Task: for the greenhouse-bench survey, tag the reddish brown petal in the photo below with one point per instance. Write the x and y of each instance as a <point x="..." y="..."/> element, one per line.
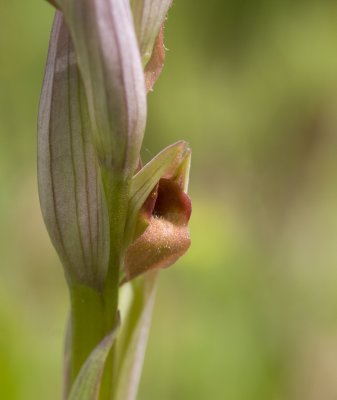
<point x="145" y="213"/>
<point x="156" y="63"/>
<point x="160" y="246"/>
<point x="172" y="203"/>
<point x="166" y="200"/>
<point x="166" y="238"/>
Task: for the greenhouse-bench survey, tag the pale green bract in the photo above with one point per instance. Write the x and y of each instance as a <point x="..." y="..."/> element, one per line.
<point x="87" y="383"/>
<point x="134" y="335"/>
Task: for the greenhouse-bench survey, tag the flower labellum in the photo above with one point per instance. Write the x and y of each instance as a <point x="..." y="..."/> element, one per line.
<point x="165" y="216"/>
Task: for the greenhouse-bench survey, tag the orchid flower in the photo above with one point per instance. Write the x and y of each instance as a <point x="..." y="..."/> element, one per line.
<point x="111" y="222"/>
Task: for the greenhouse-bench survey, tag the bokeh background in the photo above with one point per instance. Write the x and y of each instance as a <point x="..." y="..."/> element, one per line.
<point x="250" y="313"/>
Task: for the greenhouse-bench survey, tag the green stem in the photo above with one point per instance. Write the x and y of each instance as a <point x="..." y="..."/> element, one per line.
<point x="116" y="195"/>
<point x="94" y="312"/>
<point x="110" y="316"/>
<point x="93" y="316"/>
<point x="87" y="328"/>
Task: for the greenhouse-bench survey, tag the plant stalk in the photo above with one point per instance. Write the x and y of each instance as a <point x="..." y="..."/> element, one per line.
<point x="116" y="191"/>
<point x="94" y="313"/>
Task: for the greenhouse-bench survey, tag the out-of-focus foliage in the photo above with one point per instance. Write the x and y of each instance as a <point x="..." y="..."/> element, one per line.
<point x="250" y="313"/>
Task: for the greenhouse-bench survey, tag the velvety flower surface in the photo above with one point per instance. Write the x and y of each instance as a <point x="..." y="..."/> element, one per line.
<point x="165" y="216"/>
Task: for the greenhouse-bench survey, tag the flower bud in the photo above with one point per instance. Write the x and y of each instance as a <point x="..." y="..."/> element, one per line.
<point x="109" y="61"/>
<point x="149" y="17"/>
<point x="70" y="189"/>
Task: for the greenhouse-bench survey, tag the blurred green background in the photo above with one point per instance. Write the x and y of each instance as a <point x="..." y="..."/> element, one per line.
<point x="250" y="313"/>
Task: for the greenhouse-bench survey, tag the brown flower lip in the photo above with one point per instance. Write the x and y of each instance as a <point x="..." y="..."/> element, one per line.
<point x="166" y="238"/>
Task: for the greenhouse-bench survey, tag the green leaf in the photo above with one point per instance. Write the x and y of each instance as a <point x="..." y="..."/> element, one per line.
<point x="87" y="383"/>
<point x="134" y="335"/>
<point x="165" y="164"/>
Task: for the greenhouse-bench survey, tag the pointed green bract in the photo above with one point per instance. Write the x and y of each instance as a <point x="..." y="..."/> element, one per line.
<point x="134" y="335"/>
<point x="87" y="383"/>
